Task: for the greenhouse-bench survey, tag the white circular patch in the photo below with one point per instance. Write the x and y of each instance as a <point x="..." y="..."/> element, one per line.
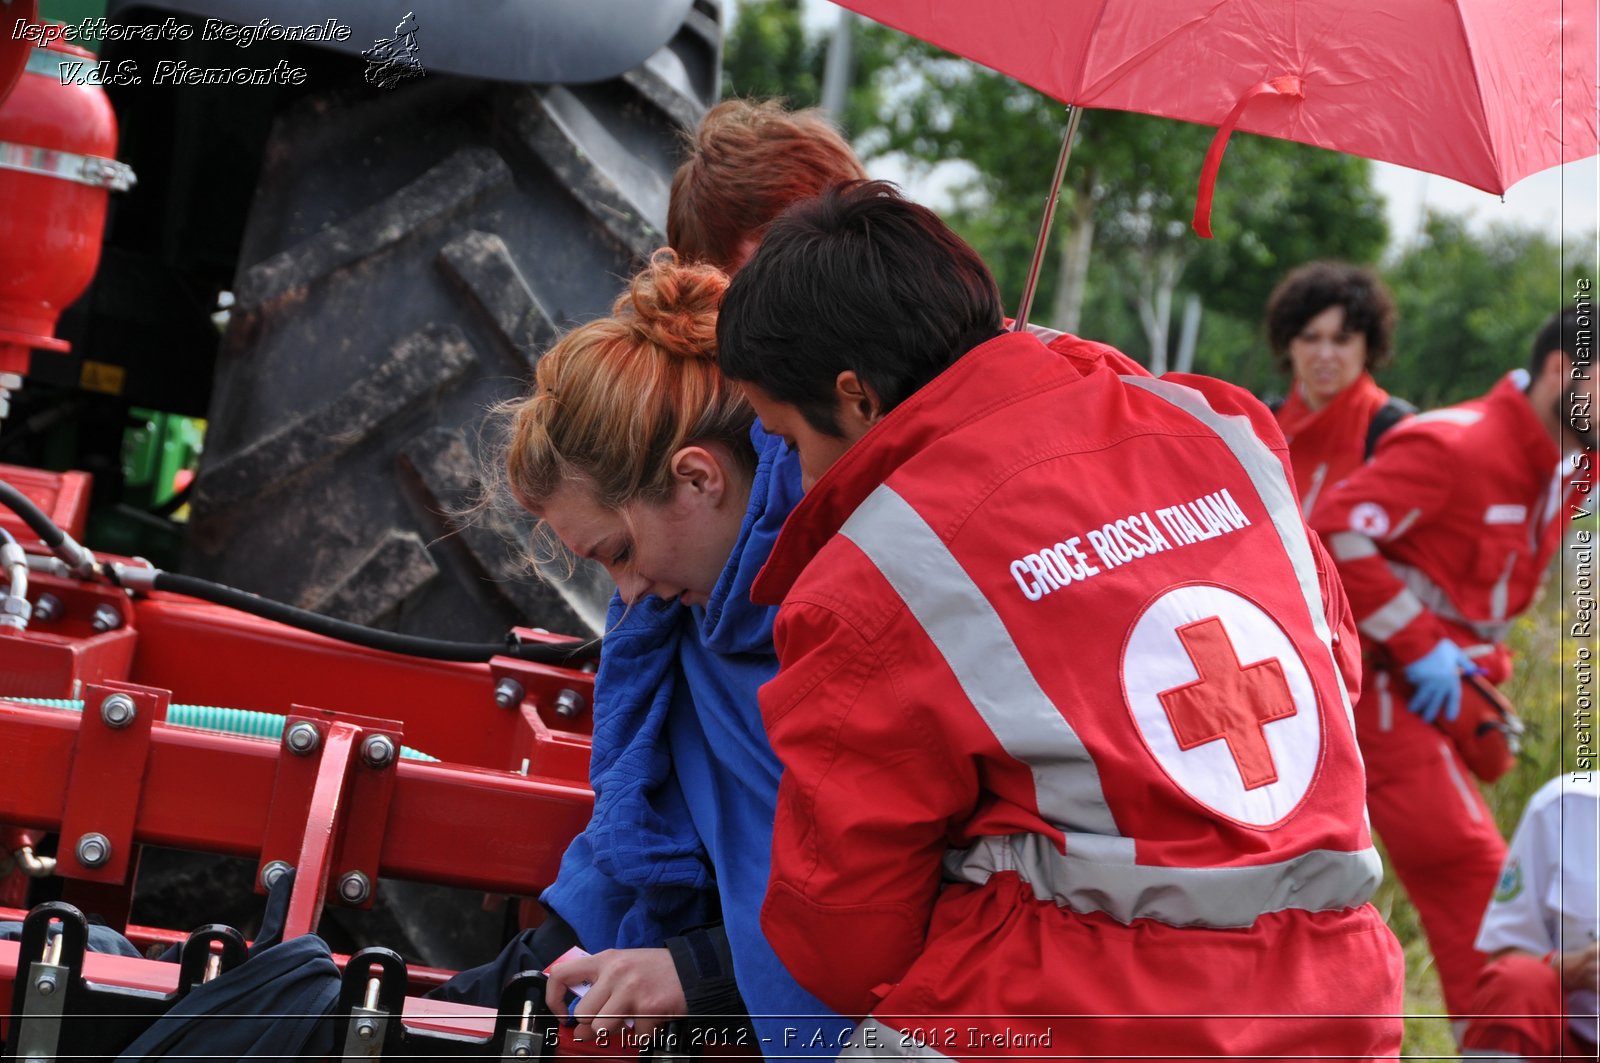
<point x="1229" y="775"/>
<point x="1369" y="519"/>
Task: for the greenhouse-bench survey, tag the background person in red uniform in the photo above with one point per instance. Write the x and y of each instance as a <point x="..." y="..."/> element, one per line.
<point x="1061" y="703"/>
<point x="1329" y="325"/>
<point x="1442" y="540"/>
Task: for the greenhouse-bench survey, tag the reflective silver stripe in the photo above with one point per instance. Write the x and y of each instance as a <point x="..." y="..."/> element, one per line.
<point x="1277" y="494"/>
<point x="1403" y="526"/>
<point x="1450" y="414"/>
<point x="1391" y="617"/>
<point x="1462" y="789"/>
<point x="1215" y="897"/>
<point x="1385" y="703"/>
<point x="964" y="627"/>
<point x="1436" y="601"/>
<point x="1351" y="546"/>
<point x="875" y="1040"/>
<point x="1310" y="500"/>
<point x="1501" y="590"/>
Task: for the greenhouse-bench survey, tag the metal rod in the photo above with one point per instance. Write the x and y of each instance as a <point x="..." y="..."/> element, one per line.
<point x="213" y="967"/>
<point x="371" y="1001"/>
<point x="1023" y="308"/>
<point x="52" y="945"/>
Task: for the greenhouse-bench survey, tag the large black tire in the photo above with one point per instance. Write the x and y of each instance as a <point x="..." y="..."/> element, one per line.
<point x="408" y="256"/>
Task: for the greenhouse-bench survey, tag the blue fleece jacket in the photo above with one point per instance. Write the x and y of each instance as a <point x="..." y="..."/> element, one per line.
<point x="686" y="782"/>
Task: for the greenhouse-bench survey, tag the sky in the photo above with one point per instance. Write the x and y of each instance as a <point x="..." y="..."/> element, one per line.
<point x="1565" y="199"/>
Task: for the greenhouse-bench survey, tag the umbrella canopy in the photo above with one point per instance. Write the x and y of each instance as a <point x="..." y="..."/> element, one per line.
<point x="1482" y="91"/>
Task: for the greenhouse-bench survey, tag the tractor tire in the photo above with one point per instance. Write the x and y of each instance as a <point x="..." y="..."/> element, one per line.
<point x="409" y="255"/>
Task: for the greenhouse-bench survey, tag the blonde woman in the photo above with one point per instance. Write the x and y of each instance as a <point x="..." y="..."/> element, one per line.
<point x="637" y="453"/>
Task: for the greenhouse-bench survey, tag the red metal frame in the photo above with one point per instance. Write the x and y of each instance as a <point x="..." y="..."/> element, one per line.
<point x="494" y="813"/>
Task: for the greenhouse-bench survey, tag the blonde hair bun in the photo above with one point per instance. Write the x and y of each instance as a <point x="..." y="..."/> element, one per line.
<point x="673" y="307"/>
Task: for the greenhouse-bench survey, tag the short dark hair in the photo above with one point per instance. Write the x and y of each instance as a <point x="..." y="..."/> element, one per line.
<point x="859" y="278"/>
<point x="1569" y="331"/>
<point x="1310" y="289"/>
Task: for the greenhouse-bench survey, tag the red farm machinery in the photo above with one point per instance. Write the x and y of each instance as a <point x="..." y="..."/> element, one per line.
<point x="340" y="273"/>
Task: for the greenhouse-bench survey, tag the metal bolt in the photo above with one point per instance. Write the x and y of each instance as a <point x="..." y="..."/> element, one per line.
<point x="508" y="693"/>
<point x="354" y="887"/>
<point x="378" y="751"/>
<point x="106" y="618"/>
<point x="569" y="704"/>
<point x="118" y="710"/>
<point x="48" y="607"/>
<point x="522" y="1051"/>
<point x="303" y="739"/>
<point x="93" y="849"/>
<point x="275" y="870"/>
<point x="45" y="985"/>
<point x="366" y="1029"/>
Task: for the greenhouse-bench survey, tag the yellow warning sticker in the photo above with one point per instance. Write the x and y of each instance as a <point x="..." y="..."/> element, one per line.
<point x="98" y="376"/>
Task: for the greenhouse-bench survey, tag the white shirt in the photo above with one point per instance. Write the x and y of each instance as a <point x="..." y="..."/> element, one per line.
<point x="1546" y="898"/>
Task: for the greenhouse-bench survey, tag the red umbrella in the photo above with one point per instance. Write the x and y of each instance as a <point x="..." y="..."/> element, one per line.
<point x="1482" y="91"/>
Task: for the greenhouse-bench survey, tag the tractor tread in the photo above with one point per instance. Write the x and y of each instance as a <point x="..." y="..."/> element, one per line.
<point x="447" y="188"/>
<point x="420" y="365"/>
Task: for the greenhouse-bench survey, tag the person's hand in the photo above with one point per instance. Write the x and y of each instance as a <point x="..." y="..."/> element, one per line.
<point x="637" y="984"/>
<point x="1580" y="968"/>
<point x="1436" y="681"/>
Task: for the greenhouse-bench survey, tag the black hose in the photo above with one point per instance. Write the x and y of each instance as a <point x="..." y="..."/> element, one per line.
<point x="32" y="515"/>
<point x="567" y="653"/>
<point x="375" y="638"/>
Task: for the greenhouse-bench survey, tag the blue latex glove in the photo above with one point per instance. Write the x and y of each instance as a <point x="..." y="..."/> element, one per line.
<point x="1436" y="681"/>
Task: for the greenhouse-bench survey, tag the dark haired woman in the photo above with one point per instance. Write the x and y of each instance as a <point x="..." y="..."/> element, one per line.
<point x="1329" y="324"/>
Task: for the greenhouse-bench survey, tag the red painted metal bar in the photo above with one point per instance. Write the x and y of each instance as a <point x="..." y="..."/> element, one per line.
<point x="448" y="824"/>
<point x="322" y="822"/>
<point x="144" y="937"/>
<point x="159" y="977"/>
<point x="106" y="780"/>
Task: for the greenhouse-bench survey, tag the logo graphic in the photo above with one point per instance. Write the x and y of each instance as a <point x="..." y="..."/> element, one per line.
<point x="1369" y="519"/>
<point x="1510" y="883"/>
<point x="1224" y="703"/>
<point x="393" y="60"/>
<point x="1230" y="702"/>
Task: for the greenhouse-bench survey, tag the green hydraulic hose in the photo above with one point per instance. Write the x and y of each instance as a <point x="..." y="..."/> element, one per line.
<point x="245" y="722"/>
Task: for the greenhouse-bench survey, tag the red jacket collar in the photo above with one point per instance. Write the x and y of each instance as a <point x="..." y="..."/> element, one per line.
<point x="990" y="375"/>
<point x="1530" y="434"/>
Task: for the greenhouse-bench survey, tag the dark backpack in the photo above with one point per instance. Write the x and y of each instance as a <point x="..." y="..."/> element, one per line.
<point x="1389" y="414"/>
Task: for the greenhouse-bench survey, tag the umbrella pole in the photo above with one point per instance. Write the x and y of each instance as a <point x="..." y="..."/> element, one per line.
<point x="1073" y="114"/>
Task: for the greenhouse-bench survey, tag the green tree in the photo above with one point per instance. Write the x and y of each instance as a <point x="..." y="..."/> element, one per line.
<point x="1127" y="200"/>
<point x="768" y="53"/>
<point x="1470" y="303"/>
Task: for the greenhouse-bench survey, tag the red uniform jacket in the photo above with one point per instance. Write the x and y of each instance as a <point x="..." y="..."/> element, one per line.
<point x="1011" y="790"/>
<point x="1327" y="445"/>
<point x="1448" y="530"/>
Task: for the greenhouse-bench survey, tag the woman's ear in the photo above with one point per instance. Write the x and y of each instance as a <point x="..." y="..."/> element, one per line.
<point x="697" y="470"/>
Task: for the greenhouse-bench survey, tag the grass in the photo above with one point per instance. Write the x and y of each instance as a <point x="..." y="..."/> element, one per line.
<point x="1545" y="652"/>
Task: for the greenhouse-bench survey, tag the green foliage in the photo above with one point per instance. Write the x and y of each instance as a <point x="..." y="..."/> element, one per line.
<point x="768" y="53"/>
<point x="1470" y="305"/>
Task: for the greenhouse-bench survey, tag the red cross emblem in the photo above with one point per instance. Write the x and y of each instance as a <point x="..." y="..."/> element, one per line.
<point x="1229" y="701"/>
